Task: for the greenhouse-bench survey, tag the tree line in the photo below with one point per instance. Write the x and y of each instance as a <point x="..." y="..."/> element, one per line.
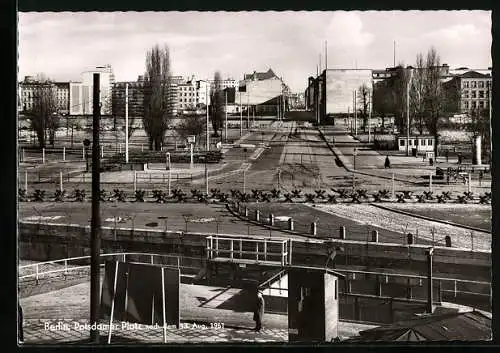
<point x="158" y="104"/>
<point x="421" y="90"/>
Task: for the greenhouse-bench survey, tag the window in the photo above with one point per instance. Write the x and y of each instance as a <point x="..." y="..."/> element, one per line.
<point x="481" y="84"/>
<point x="473" y="84"/>
<point x="429" y="141"/>
<point x="401" y="142"/>
<point x="466" y="105"/>
<point x="410" y="142"/>
<point x="466" y="94"/>
<point x="481" y="104"/>
<point x="474" y="105"/>
<point x="481" y="94"/>
<point x="466" y="84"/>
<point x="473" y="94"/>
<point x="422" y="142"/>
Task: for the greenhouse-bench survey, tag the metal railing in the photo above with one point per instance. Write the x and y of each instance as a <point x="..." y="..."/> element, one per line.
<point x="216" y="245"/>
<point x="64" y="266"/>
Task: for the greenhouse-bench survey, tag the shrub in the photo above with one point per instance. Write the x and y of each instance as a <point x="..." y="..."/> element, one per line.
<point x="23" y="197"/>
<point x="119" y="195"/>
<point x="159" y="196"/>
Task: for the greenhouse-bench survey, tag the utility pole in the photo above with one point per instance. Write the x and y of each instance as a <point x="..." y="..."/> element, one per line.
<point x="355" y="115"/>
<point x="408" y="116"/>
<point x="206" y="98"/>
<point x="248" y="111"/>
<point x="126" y="123"/>
<point x="394" y="51"/>
<point x="369" y="119"/>
<point x="226" y="112"/>
<point x="241" y="117"/>
<point x="95" y="241"/>
<point x="429" y="254"/>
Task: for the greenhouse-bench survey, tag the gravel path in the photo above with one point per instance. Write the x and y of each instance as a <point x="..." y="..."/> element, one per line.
<point x="460" y="237"/>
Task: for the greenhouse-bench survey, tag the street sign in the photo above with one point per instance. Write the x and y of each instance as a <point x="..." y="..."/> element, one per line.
<point x="191" y="139"/>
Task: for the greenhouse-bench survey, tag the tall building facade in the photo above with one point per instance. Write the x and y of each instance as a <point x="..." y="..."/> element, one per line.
<point x="81" y="93"/>
<point x="29" y="88"/>
<point x="262" y="90"/>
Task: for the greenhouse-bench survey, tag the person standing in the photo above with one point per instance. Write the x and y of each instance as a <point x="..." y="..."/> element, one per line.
<point x="387" y="162"/>
<point x="259" y="311"/>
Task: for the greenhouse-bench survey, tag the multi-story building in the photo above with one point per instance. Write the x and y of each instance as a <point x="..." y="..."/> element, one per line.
<point x="334" y="91"/>
<point x="226" y="83"/>
<point x="187" y="96"/>
<point x="29" y="88"/>
<point x="264" y="91"/>
<point x="469" y="90"/>
<point x="135" y="98"/>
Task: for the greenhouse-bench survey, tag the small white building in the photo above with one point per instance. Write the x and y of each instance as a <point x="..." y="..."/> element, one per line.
<point x="422" y="143"/>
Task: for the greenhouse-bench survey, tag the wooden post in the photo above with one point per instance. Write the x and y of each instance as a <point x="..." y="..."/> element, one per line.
<point x="342" y="232"/>
<point x="61" y="181"/>
<point x="43" y="155"/>
<point x="64" y="153"/>
<point x="313" y="228"/>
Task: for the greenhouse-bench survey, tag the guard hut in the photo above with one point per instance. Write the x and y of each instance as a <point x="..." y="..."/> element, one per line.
<point x="417" y="144"/>
<point x="313" y="304"/>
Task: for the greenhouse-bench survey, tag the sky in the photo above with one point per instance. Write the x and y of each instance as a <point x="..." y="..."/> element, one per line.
<point x="62" y="45"/>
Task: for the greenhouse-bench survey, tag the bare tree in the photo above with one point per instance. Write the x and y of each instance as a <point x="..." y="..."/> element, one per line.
<point x="417" y="93"/>
<point x="191" y="125"/>
<point x="434" y="99"/>
<point x="158" y="99"/>
<point x="363" y="99"/>
<point x="217" y="100"/>
<point x="43" y="113"/>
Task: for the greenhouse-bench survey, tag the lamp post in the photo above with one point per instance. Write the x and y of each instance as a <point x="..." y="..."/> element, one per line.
<point x="204" y="159"/>
<point x="86" y="144"/>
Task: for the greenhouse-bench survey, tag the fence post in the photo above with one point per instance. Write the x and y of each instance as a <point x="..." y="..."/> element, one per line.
<point x="241" y="248"/>
<point x="152" y="260"/>
<point x="102" y="151"/>
<point x="64" y="153"/>
<point x="43" y="155"/>
<point x="142" y="147"/>
<point x="271" y="219"/>
<point x="65" y="267"/>
<point x="469" y="187"/>
<point x="430" y="181"/>
<point x="246" y="211"/>
<point x="472" y="240"/>
<point x="290" y="223"/>
<point x="36" y="275"/>
<point x="83" y="153"/>
<point x="342" y="232"/>
<point x="257" y="215"/>
<point x="257" y="248"/>
<point x="313" y="228"/>
<point x="61" y="180"/>
<point x="26" y="181"/>
<point x="135" y="181"/>
<point x="231" y="248"/>
<point x="265" y="252"/>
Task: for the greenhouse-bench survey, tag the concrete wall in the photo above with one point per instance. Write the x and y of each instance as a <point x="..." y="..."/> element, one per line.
<point x="340" y="85"/>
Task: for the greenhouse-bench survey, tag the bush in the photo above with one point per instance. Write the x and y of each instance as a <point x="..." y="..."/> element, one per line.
<point x="119" y="195"/>
<point x="23" y="197"/>
<point x="79" y="195"/>
<point x="39" y="195"/>
<point x="139" y="195"/>
<point x="59" y="195"/>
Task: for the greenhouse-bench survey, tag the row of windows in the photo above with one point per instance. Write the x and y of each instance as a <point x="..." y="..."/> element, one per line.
<point x="411" y="142"/>
<point x="475" y="84"/>
<point x="474" y="104"/>
<point x="476" y="94"/>
<point x="187" y="100"/>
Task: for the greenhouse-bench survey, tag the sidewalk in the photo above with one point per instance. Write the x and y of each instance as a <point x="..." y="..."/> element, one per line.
<point x="371" y="163"/>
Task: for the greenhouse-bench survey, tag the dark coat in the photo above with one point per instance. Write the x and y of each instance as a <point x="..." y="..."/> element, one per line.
<point x="259" y="309"/>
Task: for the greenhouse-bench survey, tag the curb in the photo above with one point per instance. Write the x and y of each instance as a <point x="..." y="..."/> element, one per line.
<point x="431" y="219"/>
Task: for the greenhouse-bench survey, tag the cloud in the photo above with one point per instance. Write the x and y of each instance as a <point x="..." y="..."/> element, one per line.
<point x="346" y="30"/>
<point x="456" y="34"/>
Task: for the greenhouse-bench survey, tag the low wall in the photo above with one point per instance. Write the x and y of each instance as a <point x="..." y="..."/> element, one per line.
<point x="42" y="242"/>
